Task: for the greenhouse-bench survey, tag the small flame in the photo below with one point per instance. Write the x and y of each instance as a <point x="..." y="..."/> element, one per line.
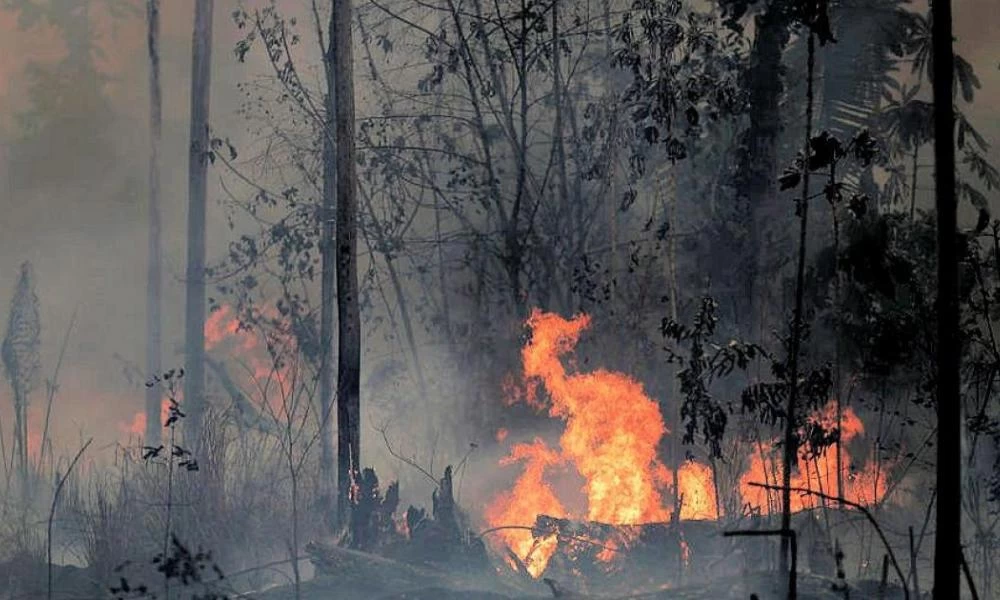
<point x="816" y="470"/>
<point x="697" y="491"/>
<point x="262" y="376"/>
<point x="137" y="426"/>
<point x="607" y="553"/>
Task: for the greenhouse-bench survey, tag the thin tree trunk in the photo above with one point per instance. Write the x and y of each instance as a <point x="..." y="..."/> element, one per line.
<point x="327" y="290"/>
<point x="194" y="325"/>
<point x="757" y="171"/>
<point x="948" y="539"/>
<point x="791" y="441"/>
<point x="348" y="313"/>
<point x="838" y="347"/>
<point x="155" y="260"/>
<point x="913" y="183"/>
<point x="558" y="146"/>
<point x="294" y="475"/>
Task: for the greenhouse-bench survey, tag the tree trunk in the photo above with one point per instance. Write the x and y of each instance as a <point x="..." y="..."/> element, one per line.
<point x="327" y="290"/>
<point x="565" y="228"/>
<point x="791" y="436"/>
<point x="948" y="539"/>
<point x="155" y="258"/>
<point x="755" y="178"/>
<point x="348" y="313"/>
<point x="913" y="182"/>
<point x="194" y="324"/>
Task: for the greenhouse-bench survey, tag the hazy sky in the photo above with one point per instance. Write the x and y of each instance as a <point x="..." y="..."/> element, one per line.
<point x="87" y="239"/>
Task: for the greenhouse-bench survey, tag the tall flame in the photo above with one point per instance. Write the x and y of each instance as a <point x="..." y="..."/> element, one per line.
<point x="611" y="437"/>
<point x="612" y="427"/>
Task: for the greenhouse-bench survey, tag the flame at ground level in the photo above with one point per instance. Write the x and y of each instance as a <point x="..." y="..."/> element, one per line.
<point x="816" y="469"/>
<point x="611" y="438"/>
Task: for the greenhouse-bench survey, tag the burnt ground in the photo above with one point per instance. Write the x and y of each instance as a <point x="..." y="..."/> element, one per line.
<point x="366" y="577"/>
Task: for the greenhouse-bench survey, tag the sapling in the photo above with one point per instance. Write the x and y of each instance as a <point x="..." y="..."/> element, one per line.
<point x="176" y="455"/>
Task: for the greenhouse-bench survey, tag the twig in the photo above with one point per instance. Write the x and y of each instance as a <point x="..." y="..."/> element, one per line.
<point x="408" y="461"/>
<point x="53" y="385"/>
<point x="968" y="576"/>
<point x="52" y="514"/>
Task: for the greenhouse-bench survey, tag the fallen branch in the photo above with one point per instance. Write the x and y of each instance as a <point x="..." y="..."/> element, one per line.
<point x="562" y="536"/>
<point x="865" y="512"/>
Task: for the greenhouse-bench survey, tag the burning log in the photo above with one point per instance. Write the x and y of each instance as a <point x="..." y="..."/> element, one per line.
<point x="615" y="558"/>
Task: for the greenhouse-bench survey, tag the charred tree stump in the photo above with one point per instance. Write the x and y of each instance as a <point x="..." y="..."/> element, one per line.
<point x="372" y="522"/>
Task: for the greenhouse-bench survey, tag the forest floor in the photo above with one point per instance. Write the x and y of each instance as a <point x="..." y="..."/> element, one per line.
<point x="367" y="577"/>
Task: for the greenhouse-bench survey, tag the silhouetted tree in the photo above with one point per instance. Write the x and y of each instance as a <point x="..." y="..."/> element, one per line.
<point x="948" y="536"/>
<point x="154" y="282"/>
<point x="198" y="158"/>
<point x="341" y="71"/>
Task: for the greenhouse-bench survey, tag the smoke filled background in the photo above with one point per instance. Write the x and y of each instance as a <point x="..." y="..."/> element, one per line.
<point x="72" y="198"/>
<point x="74" y="194"/>
<point x="74" y="143"/>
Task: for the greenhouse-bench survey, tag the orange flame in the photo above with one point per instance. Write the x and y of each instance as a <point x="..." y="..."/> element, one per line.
<point x="697" y="491"/>
<point x="612" y="427"/>
<point x="530" y="497"/>
<point x="611" y="436"/>
<point x="262" y="377"/>
<point x="815" y="470"/>
<point x="137" y="426"/>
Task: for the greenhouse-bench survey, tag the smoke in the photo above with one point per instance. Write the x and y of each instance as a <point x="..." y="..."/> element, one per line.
<point x="73" y="194"/>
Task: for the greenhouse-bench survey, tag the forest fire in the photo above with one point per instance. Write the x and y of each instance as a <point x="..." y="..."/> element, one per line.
<point x="260" y="376"/>
<point x="611" y="436"/>
<point x="816" y="470"/>
<point x="269" y="311"/>
<point x="253" y="345"/>
<point x="612" y="432"/>
<point x="137" y="426"/>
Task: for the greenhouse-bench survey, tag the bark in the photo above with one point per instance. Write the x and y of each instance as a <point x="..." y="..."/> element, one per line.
<point x="327" y="290"/>
<point x="791" y="439"/>
<point x="194" y="325"/>
<point x="558" y="146"/>
<point x="154" y="267"/>
<point x="348" y="313"/>
<point x="913" y="182"/>
<point x="754" y="181"/>
<point x="948" y="540"/>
